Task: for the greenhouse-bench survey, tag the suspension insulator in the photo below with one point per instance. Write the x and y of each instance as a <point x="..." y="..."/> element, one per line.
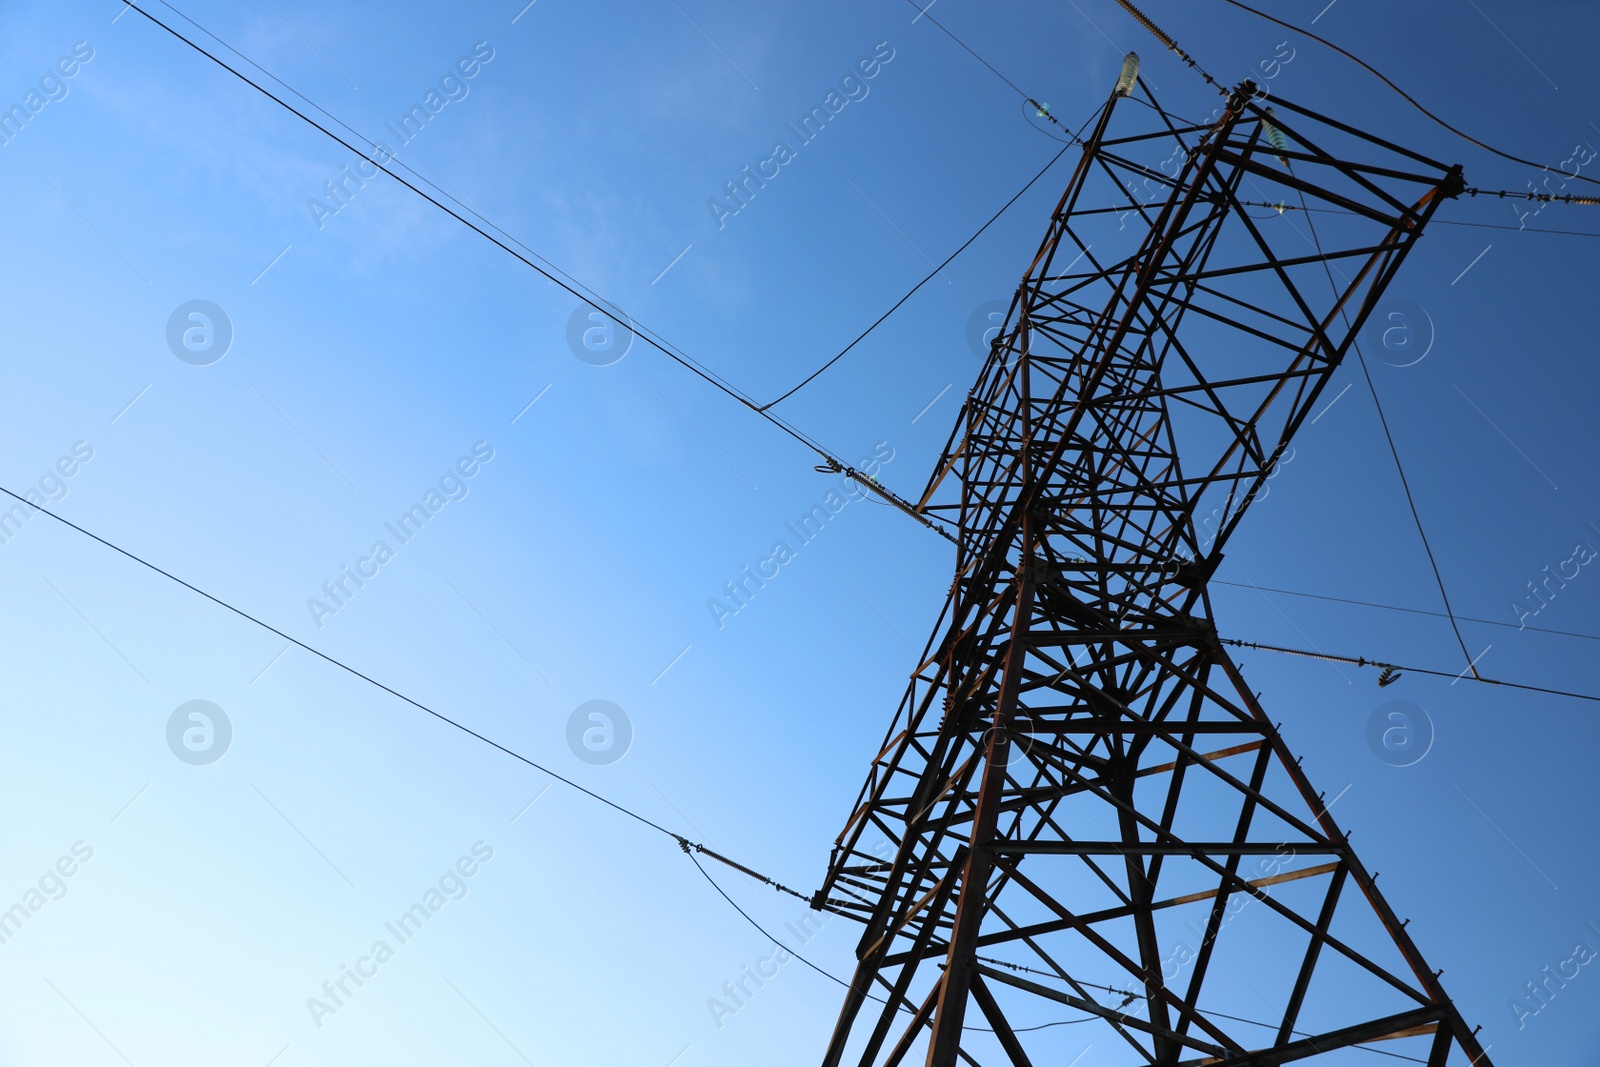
<point x="1130" y="74"/>
<point x="1275" y="136"/>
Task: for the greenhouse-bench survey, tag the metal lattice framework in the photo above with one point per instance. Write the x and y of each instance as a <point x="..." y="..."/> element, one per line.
<point x="1079" y="795"/>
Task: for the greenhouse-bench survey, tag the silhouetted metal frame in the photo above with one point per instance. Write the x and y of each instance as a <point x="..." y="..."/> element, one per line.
<point x="1069" y="440"/>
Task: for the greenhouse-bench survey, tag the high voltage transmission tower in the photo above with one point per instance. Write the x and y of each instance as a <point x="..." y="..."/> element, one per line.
<point x="1082" y="828"/>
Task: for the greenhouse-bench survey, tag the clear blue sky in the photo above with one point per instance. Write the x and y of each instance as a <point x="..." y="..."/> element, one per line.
<point x="375" y="346"/>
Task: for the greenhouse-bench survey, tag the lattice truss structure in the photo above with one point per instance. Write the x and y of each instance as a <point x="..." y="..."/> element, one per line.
<point x="1082" y="830"/>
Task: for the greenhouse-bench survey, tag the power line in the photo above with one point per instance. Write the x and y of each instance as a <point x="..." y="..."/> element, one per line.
<point x="1161" y="36"/>
<point x="469" y="209"/>
<point x="840" y="981"/>
<point x="1409" y="611"/>
<point x="689" y="847"/>
<point x="1406" y="96"/>
<point x="1040" y="110"/>
<point x="1363" y="661"/>
<point x="746" y="915"/>
<point x="1416" y="516"/>
<point x="570" y="286"/>
<point x="1514" y="229"/>
<point x="682" y="841"/>
<point x="929" y="277"/>
<point x="1043" y="111"/>
<point x="1435" y="221"/>
<point x="1394" y="450"/>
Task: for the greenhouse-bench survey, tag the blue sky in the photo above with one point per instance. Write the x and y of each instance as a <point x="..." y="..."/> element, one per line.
<point x="372" y="352"/>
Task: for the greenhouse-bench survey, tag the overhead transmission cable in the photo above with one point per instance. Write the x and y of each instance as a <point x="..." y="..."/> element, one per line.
<point x="1396" y="607"/>
<point x="1512" y="229"/>
<point x="1040" y="110"/>
<point x="1363" y="661"/>
<point x="926" y="279"/>
<point x="1043" y="109"/>
<point x="689" y="847"/>
<point x="1161" y="36"/>
<point x="559" y="278"/>
<point x="682" y="841"/>
<point x="1388" y="435"/>
<point x="395" y="160"/>
<point x="469" y="209"/>
<point x="1282" y="207"/>
<point x="1369" y="68"/>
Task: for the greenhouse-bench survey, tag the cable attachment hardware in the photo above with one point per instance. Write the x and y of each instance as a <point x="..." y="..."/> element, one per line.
<point x="691" y="847"/>
<point x="1155" y="31"/>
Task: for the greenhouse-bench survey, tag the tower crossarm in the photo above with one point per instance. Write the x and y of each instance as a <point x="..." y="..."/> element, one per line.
<point x="1158" y="380"/>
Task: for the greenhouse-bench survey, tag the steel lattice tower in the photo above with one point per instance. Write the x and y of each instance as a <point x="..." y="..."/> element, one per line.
<point x="1078" y="778"/>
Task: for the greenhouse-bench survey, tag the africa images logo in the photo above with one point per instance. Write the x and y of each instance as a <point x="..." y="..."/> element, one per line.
<point x="599" y="732"/>
<point x="199" y="732"/>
